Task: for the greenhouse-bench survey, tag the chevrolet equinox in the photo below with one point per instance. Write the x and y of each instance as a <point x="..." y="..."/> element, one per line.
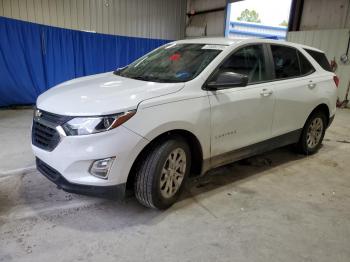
<point x="180" y="110"/>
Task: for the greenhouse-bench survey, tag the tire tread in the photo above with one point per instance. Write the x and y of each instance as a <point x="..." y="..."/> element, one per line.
<point x="144" y="177"/>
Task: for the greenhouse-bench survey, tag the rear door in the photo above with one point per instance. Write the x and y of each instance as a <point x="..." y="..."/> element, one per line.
<point x="294" y="87"/>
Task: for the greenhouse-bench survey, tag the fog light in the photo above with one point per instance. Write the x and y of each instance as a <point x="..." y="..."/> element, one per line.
<point x="100" y="168"/>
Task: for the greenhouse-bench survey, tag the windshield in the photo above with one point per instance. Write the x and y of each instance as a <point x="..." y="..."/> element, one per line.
<point x="172" y="63"/>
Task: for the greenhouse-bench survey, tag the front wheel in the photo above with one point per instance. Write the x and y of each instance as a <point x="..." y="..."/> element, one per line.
<point x="313" y="133"/>
<point x="162" y="172"/>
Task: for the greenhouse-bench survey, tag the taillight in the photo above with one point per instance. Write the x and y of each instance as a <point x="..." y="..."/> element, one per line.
<point x="336" y="80"/>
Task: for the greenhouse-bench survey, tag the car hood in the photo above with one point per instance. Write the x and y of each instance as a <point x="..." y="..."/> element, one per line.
<point x="101" y="94"/>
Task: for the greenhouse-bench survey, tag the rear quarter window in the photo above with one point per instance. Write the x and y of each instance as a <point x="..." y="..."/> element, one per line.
<point x="320" y="58"/>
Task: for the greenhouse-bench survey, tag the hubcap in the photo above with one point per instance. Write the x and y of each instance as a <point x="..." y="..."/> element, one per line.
<point x="173" y="173"/>
<point x="314" y="132"/>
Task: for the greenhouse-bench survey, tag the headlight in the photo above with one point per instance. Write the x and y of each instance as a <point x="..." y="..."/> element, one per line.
<point x="90" y="125"/>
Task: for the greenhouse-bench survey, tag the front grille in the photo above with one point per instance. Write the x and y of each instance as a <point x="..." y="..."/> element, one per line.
<point x="44" y="137"/>
<point x="47" y="171"/>
<point x="44" y="133"/>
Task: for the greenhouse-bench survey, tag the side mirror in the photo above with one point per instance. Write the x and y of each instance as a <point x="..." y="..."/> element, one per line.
<point x="226" y="80"/>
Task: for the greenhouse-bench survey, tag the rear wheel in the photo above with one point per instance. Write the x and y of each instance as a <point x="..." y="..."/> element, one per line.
<point x="162" y="172"/>
<point x="313" y="133"/>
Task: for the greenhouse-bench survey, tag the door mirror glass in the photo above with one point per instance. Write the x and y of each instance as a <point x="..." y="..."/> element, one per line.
<point x="226" y="80"/>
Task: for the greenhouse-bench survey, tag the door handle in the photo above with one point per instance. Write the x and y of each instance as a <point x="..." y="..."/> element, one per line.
<point x="311" y="85"/>
<point x="266" y="92"/>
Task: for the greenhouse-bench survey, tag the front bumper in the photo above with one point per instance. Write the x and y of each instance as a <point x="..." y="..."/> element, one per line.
<point x="330" y="121"/>
<point x="73" y="156"/>
<point x="117" y="191"/>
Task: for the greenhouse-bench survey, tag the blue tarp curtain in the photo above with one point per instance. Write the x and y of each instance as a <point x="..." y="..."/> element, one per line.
<point x="35" y="57"/>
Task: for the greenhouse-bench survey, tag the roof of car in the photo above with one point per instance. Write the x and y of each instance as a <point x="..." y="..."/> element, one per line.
<point x="211" y="41"/>
<point x="234" y="41"/>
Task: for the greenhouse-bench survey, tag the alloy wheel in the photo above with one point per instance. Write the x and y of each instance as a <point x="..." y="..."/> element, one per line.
<point x="314" y="132"/>
<point x="173" y="173"/>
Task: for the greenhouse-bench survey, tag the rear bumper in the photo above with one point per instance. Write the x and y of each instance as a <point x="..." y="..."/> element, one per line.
<point x="116" y="191"/>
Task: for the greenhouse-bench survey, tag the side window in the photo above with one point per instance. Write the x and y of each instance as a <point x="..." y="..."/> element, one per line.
<point x="305" y="66"/>
<point x="286" y="61"/>
<point x="247" y="61"/>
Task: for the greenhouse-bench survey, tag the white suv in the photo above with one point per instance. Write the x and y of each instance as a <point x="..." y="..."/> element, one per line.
<point x="182" y="109"/>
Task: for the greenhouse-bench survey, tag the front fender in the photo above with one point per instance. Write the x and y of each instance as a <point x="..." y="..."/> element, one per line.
<point x="192" y="115"/>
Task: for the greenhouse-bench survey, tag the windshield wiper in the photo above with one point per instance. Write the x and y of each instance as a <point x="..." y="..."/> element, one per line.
<point x="119" y="70"/>
<point x="152" y="79"/>
<point x="146" y="78"/>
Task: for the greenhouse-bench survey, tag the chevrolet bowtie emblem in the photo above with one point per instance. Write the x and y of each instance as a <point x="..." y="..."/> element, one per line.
<point x="38" y="113"/>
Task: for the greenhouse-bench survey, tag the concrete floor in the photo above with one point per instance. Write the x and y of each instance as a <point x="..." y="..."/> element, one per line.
<point x="276" y="207"/>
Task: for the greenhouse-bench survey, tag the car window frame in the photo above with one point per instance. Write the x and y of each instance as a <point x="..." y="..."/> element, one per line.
<point x="267" y="62"/>
<point x="313" y="68"/>
<point x="272" y="63"/>
<point x="309" y="51"/>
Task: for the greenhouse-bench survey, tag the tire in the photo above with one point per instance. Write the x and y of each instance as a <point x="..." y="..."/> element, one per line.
<point x="155" y="182"/>
<point x="312" y="134"/>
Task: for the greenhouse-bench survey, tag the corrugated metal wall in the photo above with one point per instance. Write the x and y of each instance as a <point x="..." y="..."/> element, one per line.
<point x="325" y="14"/>
<point x="163" y="19"/>
<point x="213" y="23"/>
<point x="334" y="44"/>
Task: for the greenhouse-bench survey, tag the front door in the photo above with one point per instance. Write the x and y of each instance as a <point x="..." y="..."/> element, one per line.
<point x="241" y="116"/>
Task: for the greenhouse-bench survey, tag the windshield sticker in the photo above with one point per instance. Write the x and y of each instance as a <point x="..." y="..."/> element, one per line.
<point x="182" y="75"/>
<point x="175" y="57"/>
<point x="214" y="47"/>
